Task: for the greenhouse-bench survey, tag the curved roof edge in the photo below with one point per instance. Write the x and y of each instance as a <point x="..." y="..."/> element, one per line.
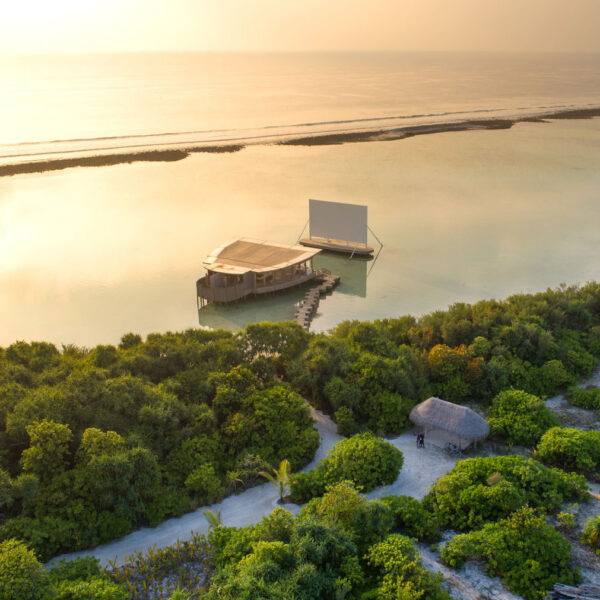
<point x="243" y="255"/>
<point x="436" y="413"/>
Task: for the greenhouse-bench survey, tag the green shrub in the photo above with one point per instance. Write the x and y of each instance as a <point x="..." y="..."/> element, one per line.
<point x="555" y="376"/>
<point x="571" y="449"/>
<point x="22" y="576"/>
<point x="365" y="460"/>
<point x="341" y="394"/>
<point x="401" y="573"/>
<point x="247" y="472"/>
<point x="566" y="521"/>
<point x="411" y="519"/>
<point x="386" y="412"/>
<point x="83" y="567"/>
<point x="365" y="522"/>
<point x="180" y="595"/>
<point x="230" y="544"/>
<point x="317" y="562"/>
<point x="589" y="399"/>
<point x="96" y="588"/>
<point x="520" y="418"/>
<point x="591" y="533"/>
<point x="528" y="554"/>
<point x="346" y="423"/>
<point x="480" y="490"/>
<point x="205" y="485"/>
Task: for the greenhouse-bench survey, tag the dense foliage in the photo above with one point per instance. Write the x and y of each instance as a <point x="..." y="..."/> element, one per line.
<point x="402" y="574"/>
<point x="22" y="577"/>
<point x="585" y="398"/>
<point x="96" y="442"/>
<point x="82" y="579"/>
<point x="411" y="518"/>
<point x="529" y="555"/>
<point x="537" y="343"/>
<point x="482" y="490"/>
<point x="519" y="418"/>
<point x="591" y="533"/>
<point x="571" y="450"/>
<point x="365" y="460"/>
<point x="338" y="547"/>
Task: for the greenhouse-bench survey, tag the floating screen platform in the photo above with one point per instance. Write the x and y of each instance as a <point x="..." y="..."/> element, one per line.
<point x="337" y="227"/>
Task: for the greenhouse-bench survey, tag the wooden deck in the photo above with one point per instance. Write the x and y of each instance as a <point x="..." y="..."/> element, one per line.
<point x="308" y="306"/>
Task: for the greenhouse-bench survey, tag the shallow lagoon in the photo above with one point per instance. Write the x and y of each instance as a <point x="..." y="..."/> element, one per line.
<point x="88" y="254"/>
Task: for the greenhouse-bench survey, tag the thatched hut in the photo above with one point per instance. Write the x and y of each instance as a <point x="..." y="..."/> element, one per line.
<point x="443" y="422"/>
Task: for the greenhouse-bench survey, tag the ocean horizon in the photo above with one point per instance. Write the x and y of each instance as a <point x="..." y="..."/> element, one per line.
<point x="67" y="104"/>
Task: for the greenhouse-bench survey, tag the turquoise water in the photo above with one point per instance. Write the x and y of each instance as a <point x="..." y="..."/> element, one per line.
<point x="89" y="254"/>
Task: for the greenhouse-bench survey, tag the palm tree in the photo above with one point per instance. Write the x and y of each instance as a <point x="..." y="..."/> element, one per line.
<point x="280" y="478"/>
<point x="234" y="478"/>
<point x="214" y="519"/>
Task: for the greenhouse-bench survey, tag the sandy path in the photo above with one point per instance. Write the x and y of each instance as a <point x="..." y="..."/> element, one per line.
<point x="244" y="509"/>
<point x="470" y="582"/>
<point x="574" y="416"/>
<point x="421" y="468"/>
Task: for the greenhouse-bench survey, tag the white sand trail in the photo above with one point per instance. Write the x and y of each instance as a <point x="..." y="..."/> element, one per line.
<point x="421" y="468"/>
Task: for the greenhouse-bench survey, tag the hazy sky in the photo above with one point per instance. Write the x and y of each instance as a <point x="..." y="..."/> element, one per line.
<point x="298" y="25"/>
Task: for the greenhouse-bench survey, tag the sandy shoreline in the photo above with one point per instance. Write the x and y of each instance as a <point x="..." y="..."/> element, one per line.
<point x="320" y="139"/>
<point x="105" y="160"/>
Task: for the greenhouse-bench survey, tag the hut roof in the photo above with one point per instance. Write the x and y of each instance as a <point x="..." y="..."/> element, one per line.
<point x="435" y="413"/>
<point x="243" y="255"/>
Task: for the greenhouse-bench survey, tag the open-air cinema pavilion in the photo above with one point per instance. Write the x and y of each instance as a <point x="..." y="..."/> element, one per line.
<point x="443" y="422"/>
<point x="245" y="266"/>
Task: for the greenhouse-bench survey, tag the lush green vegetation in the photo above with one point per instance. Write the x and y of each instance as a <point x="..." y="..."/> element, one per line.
<point x="519" y="418"/>
<point x="529" y="555"/>
<point x="338" y="547"/>
<point x="591" y="533"/>
<point x="484" y="490"/>
<point x="22" y="577"/>
<point x="538" y="343"/>
<point x="82" y="579"/>
<point x="411" y="518"/>
<point x="94" y="443"/>
<point x="365" y="460"/>
<point x="571" y="450"/>
<point x="586" y="398"/>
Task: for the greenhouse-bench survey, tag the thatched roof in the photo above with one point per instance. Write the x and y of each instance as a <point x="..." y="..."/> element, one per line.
<point x="435" y="413"/>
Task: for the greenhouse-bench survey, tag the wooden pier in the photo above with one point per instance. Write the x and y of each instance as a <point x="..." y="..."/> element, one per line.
<point x="310" y="302"/>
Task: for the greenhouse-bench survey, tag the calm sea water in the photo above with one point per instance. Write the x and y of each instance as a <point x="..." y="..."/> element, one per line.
<point x="71" y="103"/>
<point x="90" y="253"/>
